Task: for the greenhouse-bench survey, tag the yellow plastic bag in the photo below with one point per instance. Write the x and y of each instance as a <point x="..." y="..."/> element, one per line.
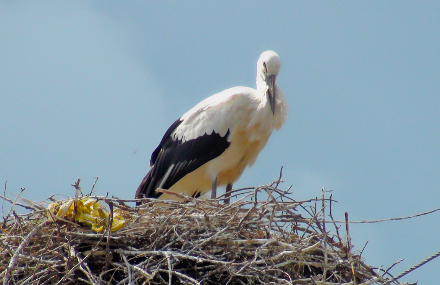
<point x="89" y="212"/>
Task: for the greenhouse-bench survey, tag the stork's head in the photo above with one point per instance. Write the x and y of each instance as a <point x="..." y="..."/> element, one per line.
<point x="268" y="66"/>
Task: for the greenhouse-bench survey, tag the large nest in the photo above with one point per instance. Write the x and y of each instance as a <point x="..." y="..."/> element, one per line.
<point x="264" y="237"/>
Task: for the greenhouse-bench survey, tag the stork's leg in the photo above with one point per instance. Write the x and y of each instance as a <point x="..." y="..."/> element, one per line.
<point x="214" y="188"/>
<point x="228" y="194"/>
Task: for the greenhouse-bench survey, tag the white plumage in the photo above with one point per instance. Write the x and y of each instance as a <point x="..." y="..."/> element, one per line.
<point x="217" y="139"/>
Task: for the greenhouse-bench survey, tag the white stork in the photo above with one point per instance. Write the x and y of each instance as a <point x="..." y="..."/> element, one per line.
<point x="212" y="144"/>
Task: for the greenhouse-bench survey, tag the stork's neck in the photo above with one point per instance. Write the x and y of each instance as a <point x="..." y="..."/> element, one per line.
<point x="261" y="84"/>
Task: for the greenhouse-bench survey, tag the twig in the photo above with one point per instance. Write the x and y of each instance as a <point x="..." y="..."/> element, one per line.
<point x="128" y="268"/>
<point x="324" y="274"/>
<point x="3" y="203"/>
<point x="18" y="251"/>
<point x="392" y="265"/>
<point x="277" y="183"/>
<point x="333" y="220"/>
<point x="347" y="230"/>
<point x="93" y="186"/>
<point x="13" y="204"/>
<point x="412" y="268"/>
<point x="170" y="269"/>
<point x="391" y="219"/>
<point x="109" y="231"/>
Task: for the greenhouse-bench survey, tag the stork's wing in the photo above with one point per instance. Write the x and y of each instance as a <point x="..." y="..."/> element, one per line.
<point x="173" y="159"/>
<point x="199" y="136"/>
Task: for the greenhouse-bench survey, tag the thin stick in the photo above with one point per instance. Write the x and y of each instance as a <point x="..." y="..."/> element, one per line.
<point x="347" y="230"/>
<point x="3" y="203"/>
<point x="109" y="231"/>
<point x="324" y="274"/>
<point x="423" y="262"/>
<point x="19" y="249"/>
<point x="13" y="203"/>
<point x="170" y="269"/>
<point x="93" y="186"/>
<point x="391" y="219"/>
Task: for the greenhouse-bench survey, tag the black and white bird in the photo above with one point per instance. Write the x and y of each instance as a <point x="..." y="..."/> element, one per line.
<point x="213" y="143"/>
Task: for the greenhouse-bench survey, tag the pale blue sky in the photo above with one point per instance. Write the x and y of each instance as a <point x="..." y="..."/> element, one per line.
<point x="88" y="89"/>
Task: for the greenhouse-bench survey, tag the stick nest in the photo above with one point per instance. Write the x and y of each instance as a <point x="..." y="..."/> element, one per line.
<point x="250" y="241"/>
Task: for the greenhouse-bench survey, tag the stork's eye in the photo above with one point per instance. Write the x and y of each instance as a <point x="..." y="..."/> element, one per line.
<point x="265" y="67"/>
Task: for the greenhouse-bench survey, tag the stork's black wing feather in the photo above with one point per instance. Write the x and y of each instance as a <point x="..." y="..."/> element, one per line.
<point x="185" y="156"/>
<point x="165" y="137"/>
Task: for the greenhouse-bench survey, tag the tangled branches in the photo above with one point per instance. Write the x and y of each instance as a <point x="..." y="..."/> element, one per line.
<point x="261" y="238"/>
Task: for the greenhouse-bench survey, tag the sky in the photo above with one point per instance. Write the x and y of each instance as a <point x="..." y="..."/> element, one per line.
<point x="87" y="89"/>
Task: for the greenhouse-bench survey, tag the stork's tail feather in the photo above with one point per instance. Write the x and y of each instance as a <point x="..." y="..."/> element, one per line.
<point x="144" y="188"/>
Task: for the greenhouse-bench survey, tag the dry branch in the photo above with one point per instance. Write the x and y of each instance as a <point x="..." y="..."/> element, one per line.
<point x="250" y="241"/>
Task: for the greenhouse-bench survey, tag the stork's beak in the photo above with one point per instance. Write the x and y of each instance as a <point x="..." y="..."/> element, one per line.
<point x="271" y="92"/>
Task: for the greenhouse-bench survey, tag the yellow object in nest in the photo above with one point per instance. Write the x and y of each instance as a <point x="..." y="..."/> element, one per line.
<point x="88" y="211"/>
